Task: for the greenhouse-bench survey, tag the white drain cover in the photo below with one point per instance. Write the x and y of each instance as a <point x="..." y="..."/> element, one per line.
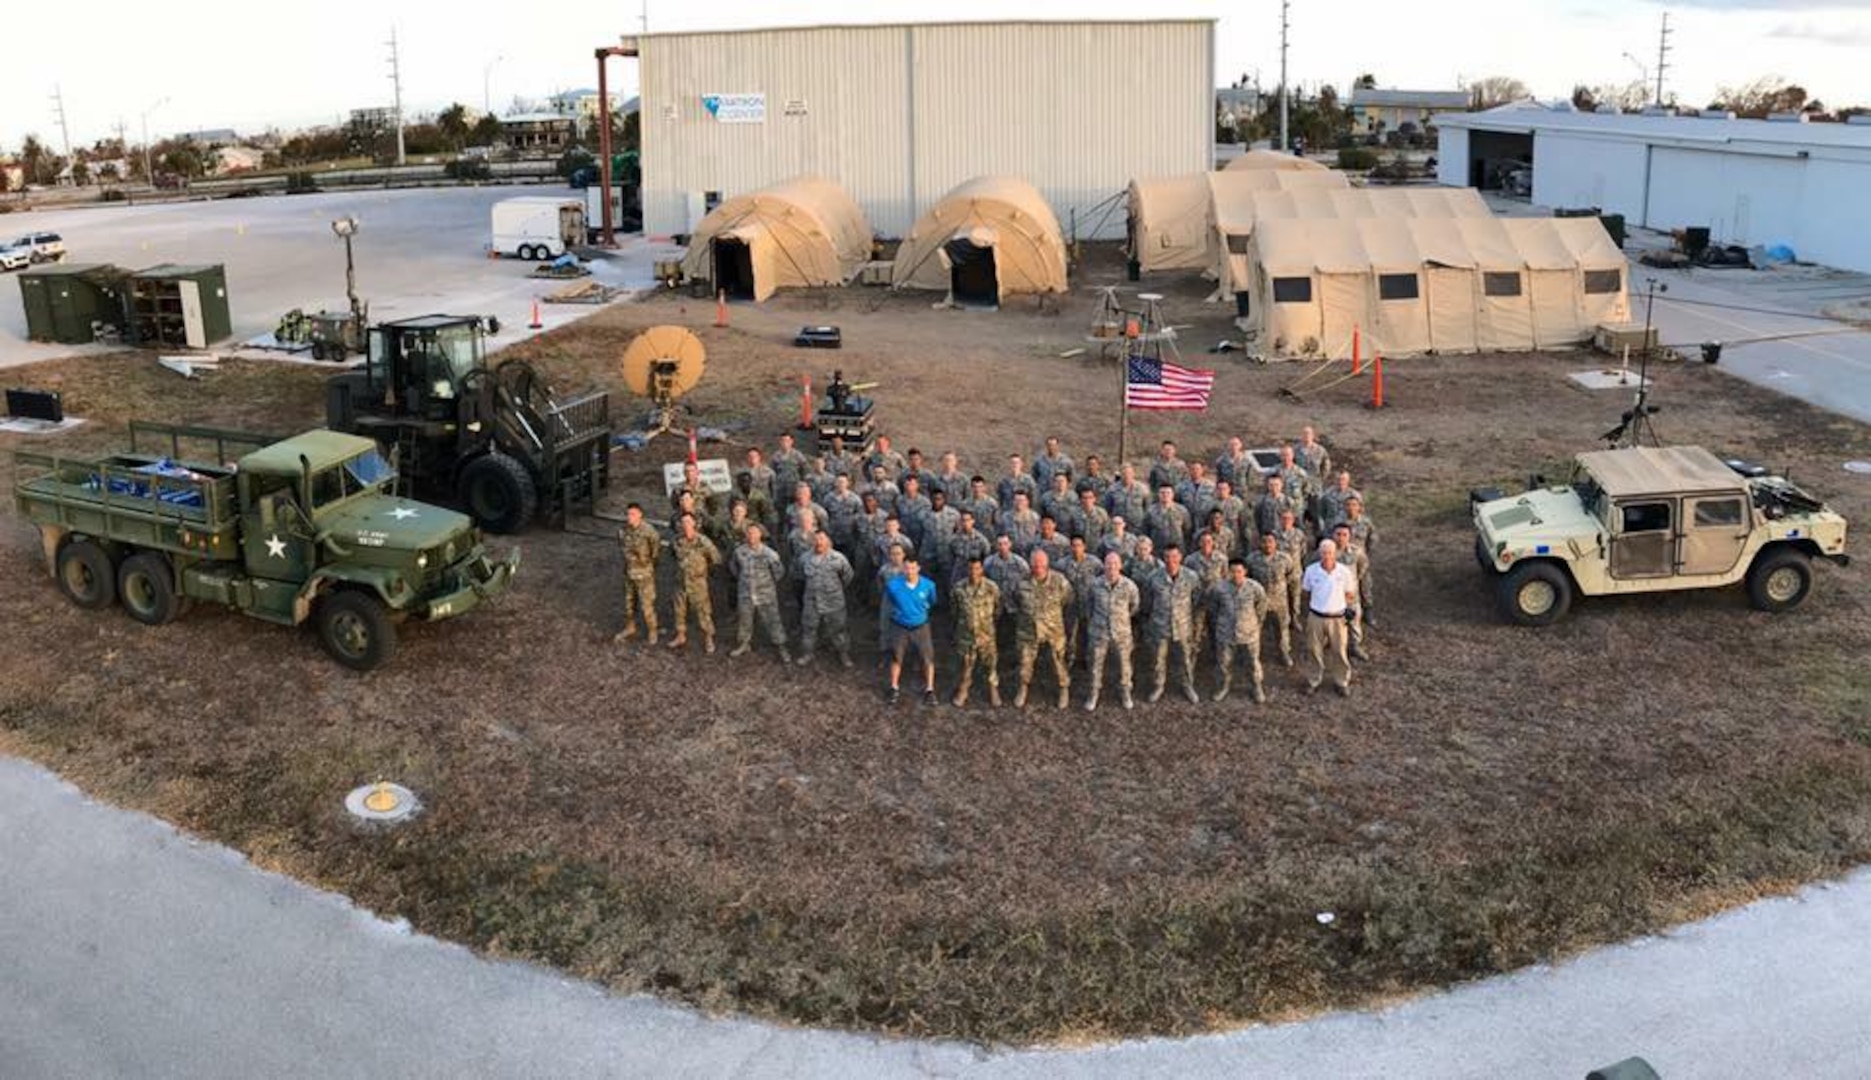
<point x="1863" y="468"/>
<point x="382" y="803"/>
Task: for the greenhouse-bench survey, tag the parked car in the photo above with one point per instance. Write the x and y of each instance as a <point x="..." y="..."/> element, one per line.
<point x="41" y="247"/>
<point x="15" y="258"/>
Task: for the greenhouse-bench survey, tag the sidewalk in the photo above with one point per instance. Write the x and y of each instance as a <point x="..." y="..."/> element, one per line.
<point x="129" y="949"/>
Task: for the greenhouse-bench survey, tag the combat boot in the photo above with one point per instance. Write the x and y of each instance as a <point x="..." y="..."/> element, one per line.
<point x="628" y="633"/>
<point x="1221" y="692"/>
<point x="1286" y="657"/>
<point x="1188" y="691"/>
<point x="649" y="635"/>
<point x="787" y="657"/>
<point x="679" y="640"/>
<point x="1128" y="703"/>
<point x="804" y="659"/>
<point x="1065" y="697"/>
<point x="961" y="696"/>
<point x="1358" y="653"/>
<point x="1019" y="697"/>
<point x="993" y="694"/>
<point x="708" y="644"/>
<point x="741" y="649"/>
<point x="1091" y="703"/>
<point x="844" y="657"/>
<point x="1156" y="694"/>
<point x="1260" y="694"/>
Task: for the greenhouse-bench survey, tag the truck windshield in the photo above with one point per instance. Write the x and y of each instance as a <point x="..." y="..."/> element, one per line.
<point x="353" y="477"/>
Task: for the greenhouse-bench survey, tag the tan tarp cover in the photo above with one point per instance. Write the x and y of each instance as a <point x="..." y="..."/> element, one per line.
<point x="1234" y="216"/>
<point x="1172" y="217"/>
<point x="800" y="232"/>
<point x="1659" y="470"/>
<point x="1480" y="284"/>
<point x="1273" y="160"/>
<point x="1002" y="212"/>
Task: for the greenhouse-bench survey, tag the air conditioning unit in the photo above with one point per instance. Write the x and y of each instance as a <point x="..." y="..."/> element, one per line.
<point x="1613" y="338"/>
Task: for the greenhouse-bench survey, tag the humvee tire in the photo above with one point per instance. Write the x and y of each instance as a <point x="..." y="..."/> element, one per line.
<point x="146" y="586"/>
<point x="355" y="628"/>
<point x="1780" y="579"/>
<point x="86" y="576"/>
<point x="1535" y="594"/>
<point x="498" y="493"/>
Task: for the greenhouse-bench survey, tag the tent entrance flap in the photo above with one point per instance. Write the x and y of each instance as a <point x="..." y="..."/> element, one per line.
<point x="973" y="278"/>
<point x="734" y="267"/>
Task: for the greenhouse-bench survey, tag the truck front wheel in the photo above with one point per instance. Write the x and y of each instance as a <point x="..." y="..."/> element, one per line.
<point x="86" y="576"/>
<point x="1780" y="579"/>
<point x="498" y="493"/>
<point x="146" y="585"/>
<point x="1535" y="594"/>
<point x="356" y="630"/>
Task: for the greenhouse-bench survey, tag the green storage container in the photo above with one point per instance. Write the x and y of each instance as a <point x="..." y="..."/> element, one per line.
<point x="176" y="307"/>
<point x="66" y="301"/>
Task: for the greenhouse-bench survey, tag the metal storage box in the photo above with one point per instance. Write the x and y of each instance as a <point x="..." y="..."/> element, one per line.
<point x="179" y="306"/>
<point x="66" y="301"/>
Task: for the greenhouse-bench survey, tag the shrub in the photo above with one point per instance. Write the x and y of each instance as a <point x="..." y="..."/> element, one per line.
<point x="1356" y="159"/>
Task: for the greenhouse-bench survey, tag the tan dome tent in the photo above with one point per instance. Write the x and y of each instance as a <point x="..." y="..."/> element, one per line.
<point x="993" y="236"/>
<point x="1237" y="213"/>
<point x="1171" y="217"/>
<point x="1273" y="161"/>
<point x="801" y="232"/>
<point x="1418" y="285"/>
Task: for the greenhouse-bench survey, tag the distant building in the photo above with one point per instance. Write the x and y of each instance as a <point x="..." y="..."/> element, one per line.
<point x="15" y="174"/>
<point x="234" y="159"/>
<point x="1750" y="182"/>
<point x="210" y="136"/>
<point x="1374" y="110"/>
<point x="1235" y="104"/>
<point x="541" y="134"/>
<point x="377" y="116"/>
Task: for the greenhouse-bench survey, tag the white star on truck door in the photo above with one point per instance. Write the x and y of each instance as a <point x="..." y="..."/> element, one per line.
<point x="275" y="547"/>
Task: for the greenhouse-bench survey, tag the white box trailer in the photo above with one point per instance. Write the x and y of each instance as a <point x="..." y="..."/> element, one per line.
<point x="538" y="227"/>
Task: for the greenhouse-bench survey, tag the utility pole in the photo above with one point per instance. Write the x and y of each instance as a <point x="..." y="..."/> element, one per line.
<point x="1663" y="52"/>
<point x="1285" y="143"/>
<point x="58" y="106"/>
<point x="396" y="79"/>
<point x="644" y="16"/>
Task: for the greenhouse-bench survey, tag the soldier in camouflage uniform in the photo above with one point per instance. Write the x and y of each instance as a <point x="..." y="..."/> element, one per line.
<point x="827" y="575"/>
<point x="1296" y="545"/>
<point x="1044" y="599"/>
<point x="1081" y="570"/>
<point x="1095" y="480"/>
<point x="1119" y="541"/>
<point x="980" y="502"/>
<point x="1240" y="606"/>
<point x="1235" y="465"/>
<point x="895" y="565"/>
<point x="695" y="557"/>
<point x="1333" y="502"/>
<point x="1233" y="511"/>
<point x="1051" y="541"/>
<point x="891" y="537"/>
<point x="1060" y="502"/>
<point x="1209" y="566"/>
<point x="1168" y="520"/>
<point x="977" y="606"/>
<point x="1052" y="462"/>
<point x="1301" y="486"/>
<point x="1312" y="455"/>
<point x="757" y="574"/>
<point x="951" y="479"/>
<point x="913" y="510"/>
<point x="967" y="544"/>
<point x="1172" y="623"/>
<point x="1091" y="521"/>
<point x="1271" y="504"/>
<point x="1168" y="470"/>
<point x="1273" y="569"/>
<point x="1352" y="556"/>
<point x="693" y="486"/>
<point x="937" y="532"/>
<point x="1021" y="524"/>
<point x="759" y="475"/>
<point x="1227" y="544"/>
<point x="789" y="467"/>
<point x="842" y="508"/>
<point x="842" y="462"/>
<point x="1008" y="570"/>
<point x="1198" y="494"/>
<point x="920" y="471"/>
<point x="1113" y="603"/>
<point x="1128" y="497"/>
<point x="1364" y="534"/>
<point x="1017" y="481"/>
<point x="866" y="528"/>
<point x="641" y="544"/>
<point x="729" y="532"/>
<point x="805" y="505"/>
<point x="883" y="457"/>
<point x="800" y="544"/>
<point x="877" y="482"/>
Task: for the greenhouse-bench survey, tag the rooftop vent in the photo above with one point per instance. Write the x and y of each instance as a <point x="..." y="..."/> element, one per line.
<point x="1716" y="114"/>
<point x="1787" y="117"/>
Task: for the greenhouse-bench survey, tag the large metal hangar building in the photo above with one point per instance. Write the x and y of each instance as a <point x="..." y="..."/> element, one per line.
<point x="1750" y="182"/>
<point x="900" y="114"/>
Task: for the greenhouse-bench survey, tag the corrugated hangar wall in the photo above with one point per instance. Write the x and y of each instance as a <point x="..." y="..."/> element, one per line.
<point x="900" y="114"/>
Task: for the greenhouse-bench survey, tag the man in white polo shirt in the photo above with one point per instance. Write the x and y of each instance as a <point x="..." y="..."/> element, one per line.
<point x="1331" y="591"/>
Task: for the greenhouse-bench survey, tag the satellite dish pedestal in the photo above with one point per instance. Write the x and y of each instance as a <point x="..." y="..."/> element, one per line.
<point x="662" y="364"/>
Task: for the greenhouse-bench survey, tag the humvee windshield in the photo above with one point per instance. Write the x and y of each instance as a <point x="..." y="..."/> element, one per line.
<point x="367" y="471"/>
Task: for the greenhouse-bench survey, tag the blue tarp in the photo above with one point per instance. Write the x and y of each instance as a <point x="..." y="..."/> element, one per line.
<point x="174" y="496"/>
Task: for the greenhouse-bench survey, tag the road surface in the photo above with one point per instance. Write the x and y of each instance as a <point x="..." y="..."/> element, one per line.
<point x="129" y="949"/>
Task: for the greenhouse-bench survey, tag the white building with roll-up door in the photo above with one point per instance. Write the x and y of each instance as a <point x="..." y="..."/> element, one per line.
<point x="901" y="114"/>
<point x="1750" y="182"/>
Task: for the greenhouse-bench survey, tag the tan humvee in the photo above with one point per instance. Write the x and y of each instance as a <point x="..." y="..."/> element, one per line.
<point x="1654" y="519"/>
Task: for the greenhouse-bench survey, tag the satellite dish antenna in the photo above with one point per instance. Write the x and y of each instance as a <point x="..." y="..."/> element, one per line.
<point x="662" y="364"/>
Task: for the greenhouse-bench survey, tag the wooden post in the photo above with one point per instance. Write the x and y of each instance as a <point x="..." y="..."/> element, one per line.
<point x="1357" y="365"/>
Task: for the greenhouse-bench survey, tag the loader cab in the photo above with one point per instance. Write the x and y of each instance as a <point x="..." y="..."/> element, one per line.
<point x="423" y="364"/>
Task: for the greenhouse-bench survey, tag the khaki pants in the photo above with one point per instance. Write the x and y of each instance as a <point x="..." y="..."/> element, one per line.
<point x="1326" y="640"/>
<point x="640" y="597"/>
<point x="1029" y="653"/>
<point x="1225" y="652"/>
<point x="1278" y="617"/>
<point x="693" y="594"/>
<point x="1295" y="602"/>
<point x="1185" y="651"/>
<point x="975" y="653"/>
<point x="1100" y="649"/>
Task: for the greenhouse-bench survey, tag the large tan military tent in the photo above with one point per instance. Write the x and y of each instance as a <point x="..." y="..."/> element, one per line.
<point x="1420" y="285"/>
<point x="1273" y="160"/>
<point x="801" y="232"/>
<point x="991" y="237"/>
<point x="1171" y="217"/>
<point x="1237" y="211"/>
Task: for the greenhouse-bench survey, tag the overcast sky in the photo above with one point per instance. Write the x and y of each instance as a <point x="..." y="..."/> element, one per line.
<point x="247" y="65"/>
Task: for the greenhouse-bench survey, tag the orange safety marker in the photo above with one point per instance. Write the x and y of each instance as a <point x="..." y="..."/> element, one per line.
<point x="537" y="323"/>
<point x="694" y="448"/>
<point x="721" y="307"/>
<point x="805" y="401"/>
<point x="1377" y="382"/>
<point x="1357" y="365"/>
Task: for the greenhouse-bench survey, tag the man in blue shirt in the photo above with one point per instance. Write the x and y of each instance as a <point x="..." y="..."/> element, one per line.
<point x="911" y="596"/>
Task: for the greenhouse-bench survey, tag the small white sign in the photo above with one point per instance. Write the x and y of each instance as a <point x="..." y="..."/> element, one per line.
<point x="795" y="107"/>
<point x="736" y="108"/>
<point x="714" y="473"/>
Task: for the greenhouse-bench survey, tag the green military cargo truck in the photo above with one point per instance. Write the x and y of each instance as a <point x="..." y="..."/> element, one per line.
<point x="294" y="530"/>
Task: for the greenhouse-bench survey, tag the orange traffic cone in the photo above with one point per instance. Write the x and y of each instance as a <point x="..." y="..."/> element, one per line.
<point x="537" y="323"/>
<point x="805" y="401"/>
<point x="721" y="308"/>
<point x="1377" y="381"/>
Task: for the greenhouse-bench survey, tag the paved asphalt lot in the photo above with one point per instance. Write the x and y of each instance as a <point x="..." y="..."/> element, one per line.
<point x="419" y="251"/>
<point x="129" y="949"/>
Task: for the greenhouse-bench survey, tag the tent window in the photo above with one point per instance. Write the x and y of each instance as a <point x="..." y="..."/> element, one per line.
<point x="1237" y="243"/>
<point x="1292" y="290"/>
<point x="1604" y="281"/>
<point x="1500" y="284"/>
<point x="1396" y="287"/>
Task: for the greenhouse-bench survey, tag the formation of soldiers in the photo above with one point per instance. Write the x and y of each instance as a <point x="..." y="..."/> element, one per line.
<point x="1191" y="561"/>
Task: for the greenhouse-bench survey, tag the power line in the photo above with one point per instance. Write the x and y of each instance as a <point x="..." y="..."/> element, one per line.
<point x="1759" y="311"/>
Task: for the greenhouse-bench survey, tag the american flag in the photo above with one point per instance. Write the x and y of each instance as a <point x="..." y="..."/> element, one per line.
<point x="1150" y="383"/>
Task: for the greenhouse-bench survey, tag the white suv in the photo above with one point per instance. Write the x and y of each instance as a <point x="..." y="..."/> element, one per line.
<point x="15" y="258"/>
<point x="41" y="247"/>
